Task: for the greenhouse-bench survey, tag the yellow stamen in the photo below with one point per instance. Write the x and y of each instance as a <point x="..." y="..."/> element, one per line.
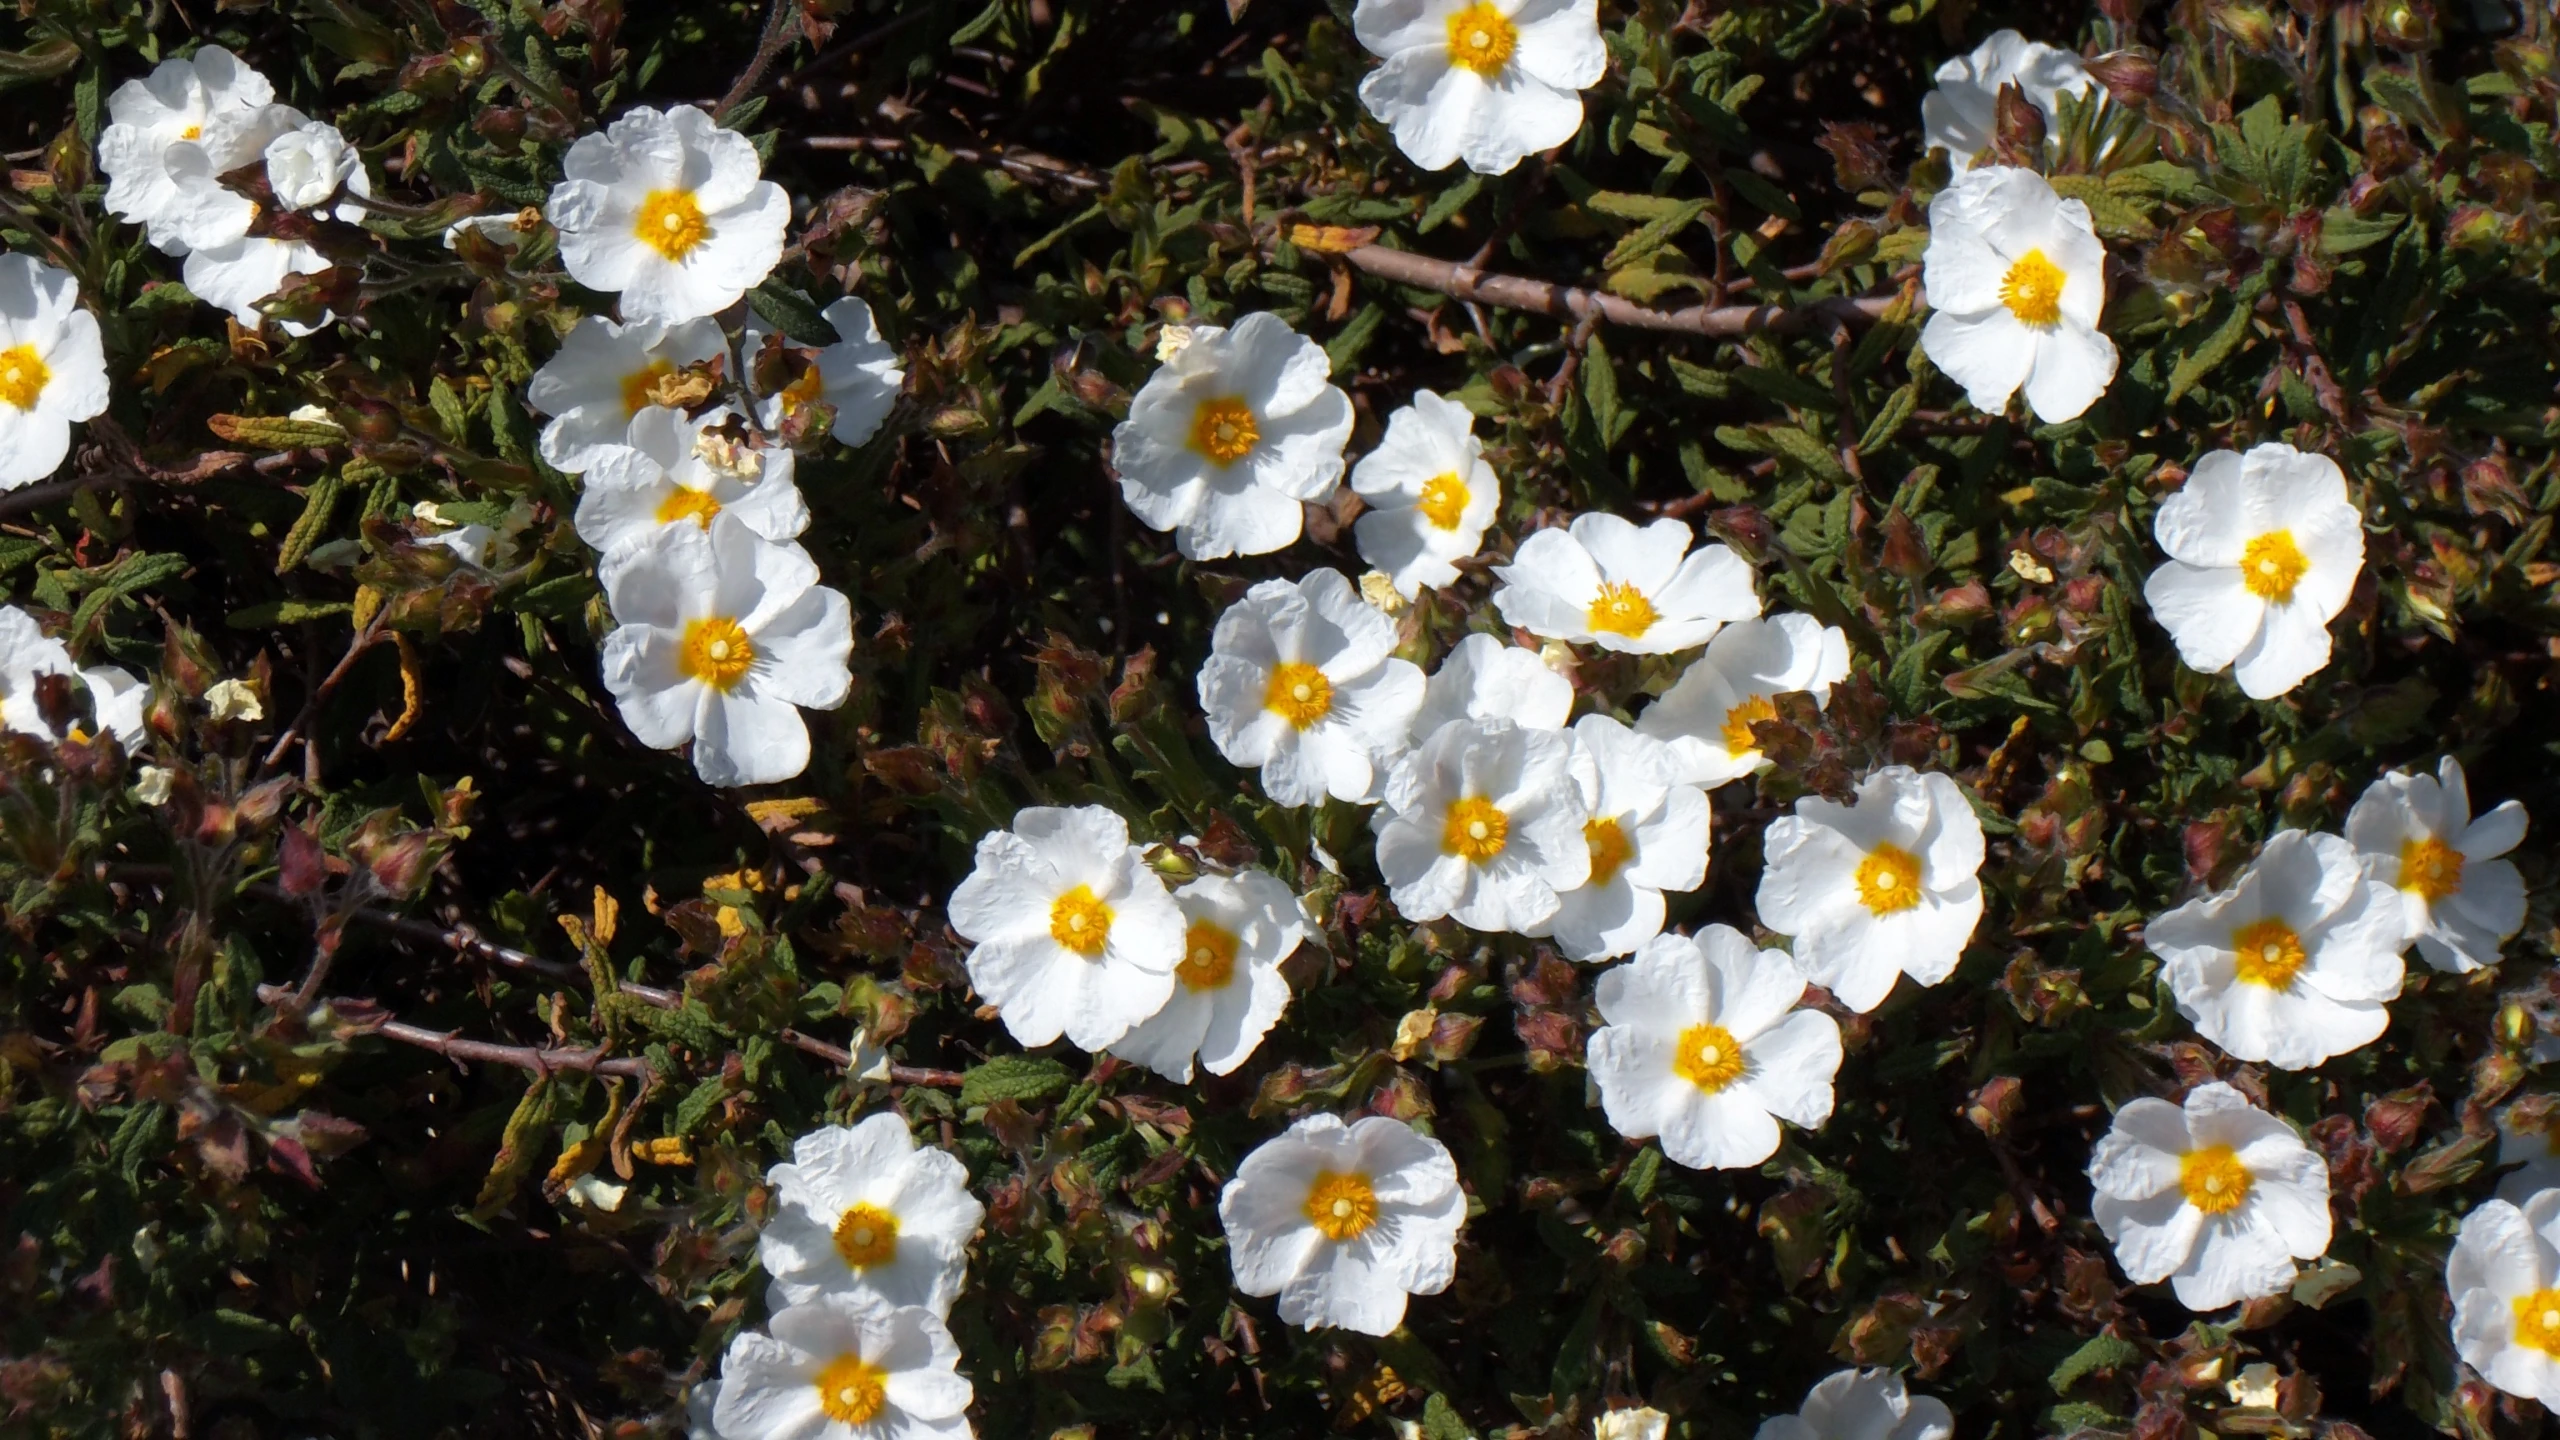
<point x="22" y="376"/>
<point x="2271" y="565"/>
<point x="1224" y="429"/>
<point x="1738" y="740"/>
<point x="1610" y="849"/>
<point x="1298" y="694"/>
<point x="1341" y="1204"/>
<point x="639" y="386"/>
<point x="2033" y="289"/>
<point x="683" y="504"/>
<point x="1444" y="500"/>
<point x="851" y="1392"/>
<point x="803" y="391"/>
<point x="2269" y="953"/>
<point x="192" y="132"/>
<point x="2214" y="1179"/>
<point x="1482" y="39"/>
<point x="716" y="652"/>
<point x="1208" y="957"/>
<point x="2538" y="1321"/>
<point x="670" y="222"/>
<point x="1620" y="609"/>
<point x="1475" y="829"/>
<point x="1889" y="879"/>
<point x="1709" y="1057"/>
<point x="1080" y="921"/>
<point x="2430" y="869"/>
<point x="867" y="1235"/>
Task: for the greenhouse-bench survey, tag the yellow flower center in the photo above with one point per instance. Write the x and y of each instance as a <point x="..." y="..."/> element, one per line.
<point x="1444" y="500"/>
<point x="1298" y="694"/>
<point x="1481" y="39"/>
<point x="1708" y="1057"/>
<point x="2033" y="289"/>
<point x="1738" y="739"/>
<point x="1610" y="849"/>
<point x="716" y="652"/>
<point x="2272" y="565"/>
<point x="2269" y="952"/>
<point x="804" y="390"/>
<point x="2538" y="1321"/>
<point x="22" y="376"/>
<point x="1208" y="957"/>
<point x="1620" y="609"/>
<point x="867" y="1235"/>
<point x="1476" y="829"/>
<point x="2430" y="869"/>
<point x="1080" y="921"/>
<point x="1341" y="1204"/>
<point x="851" y="1392"/>
<point x="639" y="388"/>
<point x="192" y="132"/>
<point x="2214" y="1179"/>
<point x="684" y="504"/>
<point x="1224" y="429"/>
<point x="670" y="222"/>
<point x="1889" y="879"/>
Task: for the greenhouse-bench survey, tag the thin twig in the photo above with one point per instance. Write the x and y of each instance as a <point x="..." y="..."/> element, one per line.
<point x="524" y="1057"/>
<point x="781" y="27"/>
<point x="1545" y="297"/>
<point x="365" y="640"/>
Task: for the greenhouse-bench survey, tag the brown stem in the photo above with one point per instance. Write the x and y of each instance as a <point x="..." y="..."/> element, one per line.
<point x="1545" y="297"/>
<point x="451" y="1045"/>
<point x="365" y="640"/>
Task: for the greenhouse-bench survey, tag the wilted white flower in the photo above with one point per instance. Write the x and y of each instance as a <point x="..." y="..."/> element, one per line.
<point x="52" y="369"/>
<point x="1300" y="684"/>
<point x="1862" y="1405"/>
<point x="1483" y="823"/>
<point x="606" y="374"/>
<point x="2294" y="962"/>
<point x="2529" y="1138"/>
<point x="175" y="104"/>
<point x="844" y="1366"/>
<point x="1075" y="934"/>
<point x="2415" y="834"/>
<point x="858" y="375"/>
<point x="1228" y="991"/>
<point x="234" y="700"/>
<point x="1608" y="582"/>
<point x="2504" y="1276"/>
<point x="1707" y="714"/>
<point x="720" y="638"/>
<point x="26" y="654"/>
<point x="1344" y="1222"/>
<point x="468" y="543"/>
<point x="668" y="211"/>
<point x="864" y="1208"/>
<point x="1961" y="116"/>
<point x="2016" y="278"/>
<point x="1430" y="494"/>
<point x="1487" y="81"/>
<point x="309" y="165"/>
<point x="1227" y="438"/>
<point x="1877" y="889"/>
<point x="1640" y="1423"/>
<point x="2219" y="1197"/>
<point x="1485" y="678"/>
<point x="153" y="784"/>
<point x="675" y="470"/>
<point x="208" y="222"/>
<point x="1646" y="833"/>
<point x="1702" y="1045"/>
<point x="2264" y="549"/>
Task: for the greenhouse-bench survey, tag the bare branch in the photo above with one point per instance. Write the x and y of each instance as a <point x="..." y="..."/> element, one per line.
<point x="1564" y="302"/>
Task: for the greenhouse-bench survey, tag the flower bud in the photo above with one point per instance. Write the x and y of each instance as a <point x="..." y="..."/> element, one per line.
<point x="2403" y="24"/>
<point x="2249" y="27"/>
<point x="2131" y="76"/>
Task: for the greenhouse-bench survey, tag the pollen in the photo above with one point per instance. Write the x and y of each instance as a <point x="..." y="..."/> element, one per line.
<point x="1610" y="849"/>
<point x="1708" y="1057"/>
<point x="1342" y="1204"/>
<point x="1738" y="739"/>
<point x="1208" y="957"/>
<point x="1889" y="880"/>
<point x="2430" y="869"/>
<point x="867" y="1236"/>
<point x="1298" y="693"/>
<point x="852" y="1392"/>
<point x="1444" y="500"/>
<point x="2271" y="565"/>
<point x="1476" y="830"/>
<point x="671" y="223"/>
<point x="717" y="652"/>
<point x="687" y="504"/>
<point x="2213" y="1179"/>
<point x="22" y="376"/>
<point x="2033" y="289"/>
<point x="1482" y="39"/>
<point x="1224" y="429"/>
<point x="2269" y="953"/>
<point x="1081" y="921"/>
<point x="1621" y="609"/>
<point x="2538" y="1321"/>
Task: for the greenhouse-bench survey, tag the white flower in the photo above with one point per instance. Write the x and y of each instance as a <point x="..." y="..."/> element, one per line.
<point x="2264" y="549"/>
<point x="2218" y="1198"/>
<point x="2504" y="1276"/>
<point x="1877" y="889"/>
<point x="227" y="700"/>
<point x="1343" y="1222"/>
<point x="676" y="470"/>
<point x="310" y="164"/>
<point x="116" y="698"/>
<point x="2533" y="1145"/>
<point x="858" y="374"/>
<point x="1483" y="823"/>
<point x="175" y="104"/>
<point x="1299" y="682"/>
<point x="1489" y="81"/>
<point x="1227" y="437"/>
<point x="2415" y="834"/>
<point x="1961" y="116"/>
<point x="1484" y="678"/>
<point x="668" y="210"/>
<point x="234" y="275"/>
<point x="2294" y="962"/>
<point x="508" y="232"/>
<point x="1228" y="991"/>
<point x="208" y="222"/>
<point x="52" y="368"/>
<point x="720" y="638"/>
<point x="2016" y="279"/>
<point x="604" y="376"/>
<point x="469" y="543"/>
<point x="844" y="1366"/>
<point x="1707" y="714"/>
<point x="26" y="654"/>
<point x="1075" y="934"/>
<point x="1646" y="834"/>
<point x="153" y="784"/>
<point x="863" y="1208"/>
<point x="1862" y="1405"/>
<point x="1606" y="582"/>
<point x="700" y="1403"/>
<point x="1430" y="494"/>
<point x="1641" y="1423"/>
<point x="1703" y="1046"/>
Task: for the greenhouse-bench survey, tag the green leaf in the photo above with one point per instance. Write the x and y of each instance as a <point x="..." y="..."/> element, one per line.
<point x="1889" y="418"/>
<point x="518" y="1148"/>
<point x="1440" y="1420"/>
<point x="2102" y="1352"/>
<point x="318" y="503"/>
<point x="1020" y="1078"/>
<point x="40" y="61"/>
<point x="2222" y="343"/>
<point x="1342" y="352"/>
<point x="135" y="572"/>
<point x="1449" y="202"/>
<point x="2344" y="232"/>
<point x="1600" y="393"/>
<point x="1649" y="239"/>
<point x="284" y="612"/>
<point x="276" y="432"/>
<point x="792" y="313"/>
